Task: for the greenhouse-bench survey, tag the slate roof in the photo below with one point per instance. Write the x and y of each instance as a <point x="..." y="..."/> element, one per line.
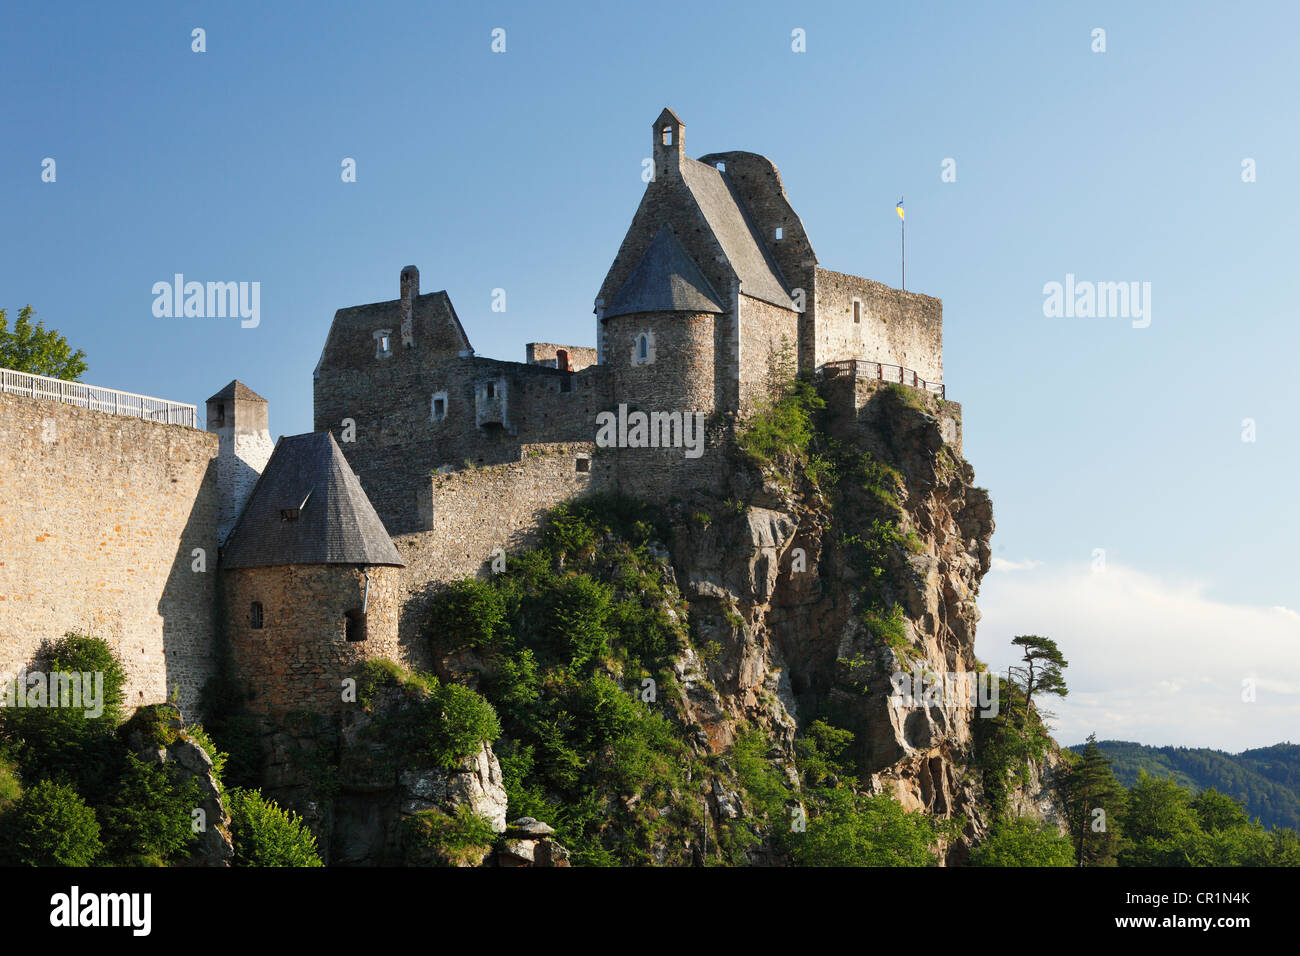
<point x="336" y="523"/>
<point x="665" y="280"/>
<point x="237" y="391"/>
<point x="743" y="247"/>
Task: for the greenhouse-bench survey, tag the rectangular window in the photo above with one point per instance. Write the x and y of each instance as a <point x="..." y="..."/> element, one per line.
<point x="780" y="233"/>
<point x="354" y="626"/>
<point x="439" y="407"/>
<point x="491" y="389"/>
<point x="288" y="514"/>
<point x="255" y="616"/>
<point x="583" y="465"/>
<point x="566" y="384"/>
<point x="857" y="311"/>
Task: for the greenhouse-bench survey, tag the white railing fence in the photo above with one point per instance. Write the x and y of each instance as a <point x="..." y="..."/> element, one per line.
<point x="99" y="399"/>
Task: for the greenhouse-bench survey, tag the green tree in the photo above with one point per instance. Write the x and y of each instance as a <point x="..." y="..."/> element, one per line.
<point x="66" y="743"/>
<point x="853" y="829"/>
<point x="265" y="835"/>
<point x="1093" y="801"/>
<point x="1161" y="826"/>
<point x="52" y="826"/>
<point x="1022" y="841"/>
<point x="149" y="821"/>
<point x="1041" y="673"/>
<point x="35" y="349"/>
<point x="1218" y="811"/>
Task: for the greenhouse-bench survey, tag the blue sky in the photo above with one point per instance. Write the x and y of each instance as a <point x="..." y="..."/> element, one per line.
<point x="521" y="171"/>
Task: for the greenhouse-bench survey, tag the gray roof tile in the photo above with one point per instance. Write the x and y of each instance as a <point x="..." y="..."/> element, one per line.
<point x="743" y="247"/>
<point x="336" y="523"/>
<point x="665" y="280"/>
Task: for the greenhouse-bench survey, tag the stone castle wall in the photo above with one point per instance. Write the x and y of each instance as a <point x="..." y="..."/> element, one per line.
<point x="769" y="336"/>
<point x="99" y="518"/>
<point x="297" y="660"/>
<point x="467" y="514"/>
<point x="894" y="327"/>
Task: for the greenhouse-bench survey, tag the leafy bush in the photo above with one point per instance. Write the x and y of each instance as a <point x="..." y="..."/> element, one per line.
<point x="780" y="433"/>
<point x="445" y="723"/>
<point x="1021" y="841"/>
<point x="149" y="821"/>
<point x="460" y="839"/>
<point x="459" y="722"/>
<point x="265" y="835"/>
<point x="63" y="743"/>
<point x="467" y="613"/>
<point x="53" y="826"/>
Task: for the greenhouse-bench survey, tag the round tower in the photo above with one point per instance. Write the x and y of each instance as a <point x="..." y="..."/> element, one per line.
<point x="311" y="582"/>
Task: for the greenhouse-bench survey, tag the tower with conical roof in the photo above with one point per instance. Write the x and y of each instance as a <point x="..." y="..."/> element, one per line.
<point x="311" y="581"/>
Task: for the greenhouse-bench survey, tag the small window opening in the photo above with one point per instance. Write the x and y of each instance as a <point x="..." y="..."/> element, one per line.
<point x="288" y="514"/>
<point x="722" y="167"/>
<point x="668" y="136"/>
<point x="221" y="414"/>
<point x="857" y="311"/>
<point x="255" y="616"/>
<point x="780" y="233"/>
<point x="439" y="407"/>
<point x="582" y="465"/>
<point x="562" y="359"/>
<point x="566" y="384"/>
<point x="642" y="348"/>
<point x="490" y="390"/>
<point x="354" y="625"/>
<point x="383" y="343"/>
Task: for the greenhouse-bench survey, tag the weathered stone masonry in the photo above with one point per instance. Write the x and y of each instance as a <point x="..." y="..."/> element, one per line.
<point x="100" y="516"/>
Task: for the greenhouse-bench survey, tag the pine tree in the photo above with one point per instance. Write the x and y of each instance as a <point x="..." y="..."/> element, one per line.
<point x="1093" y="801"/>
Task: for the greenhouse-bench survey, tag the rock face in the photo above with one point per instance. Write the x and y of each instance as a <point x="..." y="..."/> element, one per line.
<point x="775" y="592"/>
<point x="528" y="843"/>
<point x="356" y="786"/>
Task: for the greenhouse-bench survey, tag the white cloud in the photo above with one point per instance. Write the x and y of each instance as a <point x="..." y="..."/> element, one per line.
<point x="1002" y="564"/>
<point x="1151" y="661"/>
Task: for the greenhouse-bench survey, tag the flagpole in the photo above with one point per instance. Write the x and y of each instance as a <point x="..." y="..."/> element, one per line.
<point x="902" y="231"/>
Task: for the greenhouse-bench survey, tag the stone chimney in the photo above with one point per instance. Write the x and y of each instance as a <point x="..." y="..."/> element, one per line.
<point x="410" y="289"/>
<point x="668" y="145"/>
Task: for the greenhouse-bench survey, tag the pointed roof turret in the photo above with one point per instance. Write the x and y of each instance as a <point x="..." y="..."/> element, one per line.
<point x="238" y="391"/>
<point x="666" y="279"/>
<point x="309" y="508"/>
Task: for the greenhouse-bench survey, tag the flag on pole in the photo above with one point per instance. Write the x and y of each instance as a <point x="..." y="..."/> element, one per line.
<point x="898" y="207"/>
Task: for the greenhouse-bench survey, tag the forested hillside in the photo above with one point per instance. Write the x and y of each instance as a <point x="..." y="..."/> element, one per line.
<point x="1266" y="780"/>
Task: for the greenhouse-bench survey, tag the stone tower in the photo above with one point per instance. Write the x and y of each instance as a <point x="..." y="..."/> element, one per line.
<point x="238" y="416"/>
<point x="310" y="581"/>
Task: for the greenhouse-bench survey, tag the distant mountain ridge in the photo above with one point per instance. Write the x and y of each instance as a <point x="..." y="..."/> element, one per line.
<point x="1266" y="780"/>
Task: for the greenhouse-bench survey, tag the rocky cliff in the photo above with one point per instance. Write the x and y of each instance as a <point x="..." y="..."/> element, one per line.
<point x="818" y="594"/>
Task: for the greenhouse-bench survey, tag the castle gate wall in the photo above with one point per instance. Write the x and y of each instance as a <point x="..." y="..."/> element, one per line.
<point x="99" y="517"/>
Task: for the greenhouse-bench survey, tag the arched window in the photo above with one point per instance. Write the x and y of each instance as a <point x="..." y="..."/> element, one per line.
<point x="643" y="348"/>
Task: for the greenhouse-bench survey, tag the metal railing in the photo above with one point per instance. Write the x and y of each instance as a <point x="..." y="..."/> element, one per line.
<point x="99" y="399"/>
<point x="858" y="368"/>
